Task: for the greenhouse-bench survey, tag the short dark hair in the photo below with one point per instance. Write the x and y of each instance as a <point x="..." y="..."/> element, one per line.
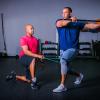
<point x="69" y="8"/>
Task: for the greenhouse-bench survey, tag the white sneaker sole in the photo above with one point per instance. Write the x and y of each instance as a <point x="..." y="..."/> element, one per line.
<point x="60" y="90"/>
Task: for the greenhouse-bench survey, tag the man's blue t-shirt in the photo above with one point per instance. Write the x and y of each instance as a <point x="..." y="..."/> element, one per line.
<point x="69" y="35"/>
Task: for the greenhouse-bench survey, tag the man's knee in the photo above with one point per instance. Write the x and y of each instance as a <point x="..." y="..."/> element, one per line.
<point x="33" y="61"/>
<point x="63" y="61"/>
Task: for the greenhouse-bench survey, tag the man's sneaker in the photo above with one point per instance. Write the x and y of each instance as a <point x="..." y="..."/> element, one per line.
<point x="34" y="85"/>
<point x="79" y="79"/>
<point x="11" y="76"/>
<point x="60" y="88"/>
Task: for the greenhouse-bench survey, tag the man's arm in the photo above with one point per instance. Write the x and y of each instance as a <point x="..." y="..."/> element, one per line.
<point x="29" y="53"/>
<point x="91" y="26"/>
<point x="63" y="22"/>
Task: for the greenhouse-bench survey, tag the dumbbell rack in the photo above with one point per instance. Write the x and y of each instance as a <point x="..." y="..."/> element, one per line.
<point x="50" y="50"/>
<point x="96" y="49"/>
<point x="85" y="50"/>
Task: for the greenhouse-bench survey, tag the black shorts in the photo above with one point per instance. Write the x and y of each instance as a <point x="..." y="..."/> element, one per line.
<point x="26" y="61"/>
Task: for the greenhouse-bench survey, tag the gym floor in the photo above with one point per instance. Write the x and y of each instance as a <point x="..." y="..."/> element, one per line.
<point x="48" y="76"/>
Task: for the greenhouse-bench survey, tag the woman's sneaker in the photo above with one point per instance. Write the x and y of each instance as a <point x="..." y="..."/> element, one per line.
<point x="60" y="88"/>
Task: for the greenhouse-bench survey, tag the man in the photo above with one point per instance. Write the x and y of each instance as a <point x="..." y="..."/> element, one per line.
<point x="27" y="56"/>
<point x="68" y="31"/>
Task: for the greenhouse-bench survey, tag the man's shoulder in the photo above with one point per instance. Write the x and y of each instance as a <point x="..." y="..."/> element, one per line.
<point x="23" y="38"/>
